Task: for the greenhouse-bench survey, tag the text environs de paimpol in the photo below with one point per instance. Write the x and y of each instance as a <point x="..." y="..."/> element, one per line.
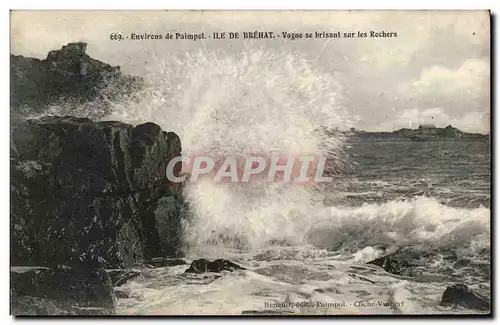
<point x="201" y="36"/>
<point x="168" y="36"/>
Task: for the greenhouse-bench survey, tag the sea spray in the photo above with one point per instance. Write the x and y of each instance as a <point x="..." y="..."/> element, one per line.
<point x="230" y="104"/>
<point x="421" y="221"/>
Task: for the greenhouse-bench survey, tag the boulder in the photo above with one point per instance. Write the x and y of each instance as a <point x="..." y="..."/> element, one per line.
<point x="202" y="266"/>
<point x="411" y="260"/>
<point x="91" y="194"/>
<point x="461" y="295"/>
<point x="62" y="291"/>
<point x="389" y="264"/>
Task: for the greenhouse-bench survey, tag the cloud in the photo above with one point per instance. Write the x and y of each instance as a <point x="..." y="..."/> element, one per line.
<point x="439" y="59"/>
<point x="474" y="122"/>
<point x="470" y="80"/>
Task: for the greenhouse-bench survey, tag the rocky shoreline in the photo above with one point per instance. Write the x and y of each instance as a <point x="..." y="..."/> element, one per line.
<point x="91" y="195"/>
<point x="87" y="197"/>
<point x="90" y="200"/>
<point x="66" y="77"/>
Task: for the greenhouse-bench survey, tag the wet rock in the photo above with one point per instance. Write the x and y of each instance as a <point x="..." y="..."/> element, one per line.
<point x="33" y="306"/>
<point x="389" y="264"/>
<point x="120" y="277"/>
<point x="164" y="262"/>
<point x="44" y="291"/>
<point x="462" y="263"/>
<point x="84" y="193"/>
<point x="203" y="265"/>
<point x="328" y="290"/>
<point x="414" y="260"/>
<point x="362" y="278"/>
<point x="461" y="295"/>
<point x="166" y="214"/>
<point x="404" y="261"/>
<point x="121" y="293"/>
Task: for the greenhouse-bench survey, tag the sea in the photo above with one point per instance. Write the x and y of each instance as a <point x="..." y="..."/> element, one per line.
<point x="428" y="199"/>
<point x="305" y="249"/>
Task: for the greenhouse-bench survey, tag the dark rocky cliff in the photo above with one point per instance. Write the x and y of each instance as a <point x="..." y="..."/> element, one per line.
<point x="66" y="75"/>
<point x="92" y="194"/>
<point x="88" y="200"/>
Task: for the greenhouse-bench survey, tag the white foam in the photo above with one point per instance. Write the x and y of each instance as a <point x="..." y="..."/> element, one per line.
<point x="401" y="223"/>
<point x="253" y="101"/>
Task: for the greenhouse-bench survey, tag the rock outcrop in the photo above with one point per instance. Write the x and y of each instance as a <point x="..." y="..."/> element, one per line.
<point x="412" y="260"/>
<point x="66" y="75"/>
<point x="202" y="266"/>
<point x="390" y="264"/>
<point x="461" y="295"/>
<point x="37" y="291"/>
<point x="89" y="200"/>
<point x="90" y="194"/>
<point x="121" y="276"/>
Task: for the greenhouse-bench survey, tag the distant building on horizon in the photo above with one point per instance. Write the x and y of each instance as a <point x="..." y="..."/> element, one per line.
<point x="427" y="129"/>
<point x="450" y="131"/>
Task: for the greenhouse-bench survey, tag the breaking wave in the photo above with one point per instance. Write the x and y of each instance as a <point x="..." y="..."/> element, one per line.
<point x="232" y="104"/>
<point x="422" y="221"/>
<point x="278" y="102"/>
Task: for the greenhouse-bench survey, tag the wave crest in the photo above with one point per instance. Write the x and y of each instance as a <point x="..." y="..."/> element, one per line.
<point x="231" y="104"/>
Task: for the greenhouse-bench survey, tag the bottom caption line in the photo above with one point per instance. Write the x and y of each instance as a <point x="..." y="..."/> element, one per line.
<point x="341" y="304"/>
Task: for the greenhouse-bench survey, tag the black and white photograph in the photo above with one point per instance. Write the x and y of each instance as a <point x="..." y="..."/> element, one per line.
<point x="250" y="163"/>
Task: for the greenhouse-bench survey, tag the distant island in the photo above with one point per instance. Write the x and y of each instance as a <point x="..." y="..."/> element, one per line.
<point x="424" y="132"/>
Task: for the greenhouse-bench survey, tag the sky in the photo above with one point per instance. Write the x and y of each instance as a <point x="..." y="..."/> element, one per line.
<point x="436" y="71"/>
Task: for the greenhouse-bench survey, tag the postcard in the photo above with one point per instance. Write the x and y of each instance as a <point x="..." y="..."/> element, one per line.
<point x="250" y="163"/>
